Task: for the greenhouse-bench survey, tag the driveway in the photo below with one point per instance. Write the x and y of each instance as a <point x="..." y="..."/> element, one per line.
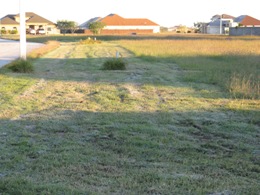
<point x="10" y="50"/>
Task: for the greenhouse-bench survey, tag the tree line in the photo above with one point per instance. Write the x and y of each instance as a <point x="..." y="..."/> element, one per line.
<point x="67" y="26"/>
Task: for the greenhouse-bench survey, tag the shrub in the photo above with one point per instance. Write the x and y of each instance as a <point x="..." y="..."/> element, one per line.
<point x="3" y="32"/>
<point x="114" y="64"/>
<point x="14" y="32"/>
<point x="21" y="66"/>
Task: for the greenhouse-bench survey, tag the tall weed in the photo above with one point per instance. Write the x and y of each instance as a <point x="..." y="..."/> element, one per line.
<point x="244" y="86"/>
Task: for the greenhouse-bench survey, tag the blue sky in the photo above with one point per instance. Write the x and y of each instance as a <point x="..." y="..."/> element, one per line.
<point x="164" y="12"/>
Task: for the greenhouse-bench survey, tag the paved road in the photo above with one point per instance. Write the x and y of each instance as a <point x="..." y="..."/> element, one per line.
<point x="10" y="50"/>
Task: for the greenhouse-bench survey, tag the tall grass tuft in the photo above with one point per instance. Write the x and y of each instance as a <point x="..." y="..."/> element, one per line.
<point x="114" y="64"/>
<point x="21" y="66"/>
<point x="242" y="86"/>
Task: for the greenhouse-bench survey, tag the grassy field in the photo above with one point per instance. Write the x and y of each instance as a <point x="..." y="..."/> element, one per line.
<point x="232" y="64"/>
<point x="176" y="121"/>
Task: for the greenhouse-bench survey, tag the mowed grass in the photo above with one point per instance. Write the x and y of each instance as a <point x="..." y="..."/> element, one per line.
<point x="72" y="128"/>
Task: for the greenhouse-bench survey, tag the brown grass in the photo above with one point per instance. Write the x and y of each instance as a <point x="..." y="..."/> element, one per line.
<point x="50" y="45"/>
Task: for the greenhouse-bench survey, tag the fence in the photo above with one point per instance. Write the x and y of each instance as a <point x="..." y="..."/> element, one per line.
<point x="239" y="31"/>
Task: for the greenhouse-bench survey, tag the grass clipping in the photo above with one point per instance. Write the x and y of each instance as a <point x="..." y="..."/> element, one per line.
<point x="114" y="64"/>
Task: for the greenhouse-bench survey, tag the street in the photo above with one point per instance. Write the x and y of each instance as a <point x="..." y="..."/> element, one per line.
<point x="10" y="50"/>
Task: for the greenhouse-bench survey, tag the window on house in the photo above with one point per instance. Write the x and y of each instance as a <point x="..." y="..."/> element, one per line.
<point x="49" y="29"/>
<point x="14" y="28"/>
<point x="3" y="28"/>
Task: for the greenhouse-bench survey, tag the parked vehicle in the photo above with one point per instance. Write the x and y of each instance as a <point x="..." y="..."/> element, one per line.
<point x="30" y="31"/>
<point x="40" y="31"/>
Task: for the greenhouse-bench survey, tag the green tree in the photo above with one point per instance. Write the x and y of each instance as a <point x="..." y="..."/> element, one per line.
<point x="65" y="26"/>
<point x="96" y="27"/>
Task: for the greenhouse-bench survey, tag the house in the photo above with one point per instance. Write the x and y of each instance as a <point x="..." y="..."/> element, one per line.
<point x="201" y="27"/>
<point x="85" y="24"/>
<point x="11" y="24"/>
<point x="220" y="24"/>
<point x="245" y="25"/>
<point x="116" y="24"/>
<point x="246" y="21"/>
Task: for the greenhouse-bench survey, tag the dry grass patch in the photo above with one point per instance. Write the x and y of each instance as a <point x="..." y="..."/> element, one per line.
<point x="49" y="46"/>
<point x="223" y="62"/>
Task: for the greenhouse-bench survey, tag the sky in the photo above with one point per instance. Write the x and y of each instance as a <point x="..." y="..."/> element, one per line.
<point x="166" y="13"/>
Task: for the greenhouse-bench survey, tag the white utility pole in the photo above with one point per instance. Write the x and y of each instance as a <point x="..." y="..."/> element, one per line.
<point x="0" y="27"/>
<point x="22" y="32"/>
<point x="220" y="25"/>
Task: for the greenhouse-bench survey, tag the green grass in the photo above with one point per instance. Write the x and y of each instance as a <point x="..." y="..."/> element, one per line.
<point x="72" y="128"/>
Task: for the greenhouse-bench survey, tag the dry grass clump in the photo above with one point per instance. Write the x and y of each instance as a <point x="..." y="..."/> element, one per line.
<point x="21" y="66"/>
<point x="244" y="86"/>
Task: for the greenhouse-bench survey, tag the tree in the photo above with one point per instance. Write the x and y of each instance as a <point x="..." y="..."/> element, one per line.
<point x="65" y="26"/>
<point x="95" y="27"/>
<point x="163" y="29"/>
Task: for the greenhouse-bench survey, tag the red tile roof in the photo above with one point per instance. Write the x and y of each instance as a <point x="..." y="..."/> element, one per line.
<point x="247" y="20"/>
<point x="116" y="20"/>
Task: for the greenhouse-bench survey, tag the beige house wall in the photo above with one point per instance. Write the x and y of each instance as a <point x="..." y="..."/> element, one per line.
<point x="49" y="29"/>
<point x="10" y="27"/>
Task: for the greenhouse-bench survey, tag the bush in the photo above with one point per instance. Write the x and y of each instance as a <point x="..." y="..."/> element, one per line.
<point x="3" y="32"/>
<point x="21" y="66"/>
<point x="14" y="32"/>
<point x="114" y="64"/>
